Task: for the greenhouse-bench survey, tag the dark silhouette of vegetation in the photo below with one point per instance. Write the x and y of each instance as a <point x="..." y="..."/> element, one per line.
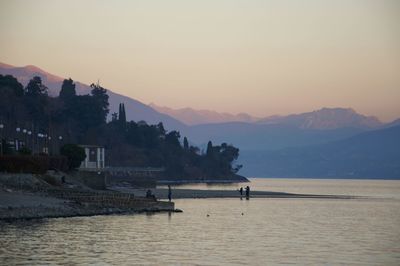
<point x="209" y="151"/>
<point x="6" y="148"/>
<point x="74" y="154"/>
<point x="99" y="95"/>
<point x="11" y="84"/>
<point x="67" y="91"/>
<point x="24" y="164"/>
<point x="82" y="119"/>
<point x="35" y="88"/>
<point x="122" y="115"/>
<point x="185" y="143"/>
<point x="37" y="164"/>
<point x="25" y="151"/>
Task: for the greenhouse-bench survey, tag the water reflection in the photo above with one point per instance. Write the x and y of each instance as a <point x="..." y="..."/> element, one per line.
<point x="270" y="231"/>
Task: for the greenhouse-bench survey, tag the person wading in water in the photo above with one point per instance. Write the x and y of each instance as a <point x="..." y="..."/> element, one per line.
<point x="169" y="193"/>
<point x="247" y="192"/>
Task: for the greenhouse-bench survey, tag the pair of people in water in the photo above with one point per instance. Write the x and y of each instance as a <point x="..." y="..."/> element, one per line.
<point x="247" y="191"/>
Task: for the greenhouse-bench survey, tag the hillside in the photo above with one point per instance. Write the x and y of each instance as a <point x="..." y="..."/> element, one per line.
<point x="135" y="110"/>
<point x="374" y="154"/>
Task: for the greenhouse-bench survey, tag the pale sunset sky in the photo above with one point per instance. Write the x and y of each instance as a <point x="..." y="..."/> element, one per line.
<point x="259" y="57"/>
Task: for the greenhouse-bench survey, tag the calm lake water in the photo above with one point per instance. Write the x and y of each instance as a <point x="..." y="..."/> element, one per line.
<point x="214" y="231"/>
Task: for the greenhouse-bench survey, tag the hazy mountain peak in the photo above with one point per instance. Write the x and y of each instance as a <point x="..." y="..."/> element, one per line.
<point x="326" y="118"/>
<point x="34" y="69"/>
<point x="2" y="65"/>
<point x="340" y="117"/>
<point x="192" y="116"/>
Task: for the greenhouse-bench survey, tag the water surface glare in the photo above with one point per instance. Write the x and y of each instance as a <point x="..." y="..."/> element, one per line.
<point x="214" y="232"/>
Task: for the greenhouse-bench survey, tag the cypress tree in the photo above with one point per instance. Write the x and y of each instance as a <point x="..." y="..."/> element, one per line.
<point x="185" y="143"/>
<point x="209" y="149"/>
<point x="123" y="114"/>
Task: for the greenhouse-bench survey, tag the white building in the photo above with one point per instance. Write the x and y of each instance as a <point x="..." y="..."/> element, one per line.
<point x="94" y="157"/>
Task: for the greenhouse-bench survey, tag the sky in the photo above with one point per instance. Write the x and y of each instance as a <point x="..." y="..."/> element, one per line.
<point x="259" y="57"/>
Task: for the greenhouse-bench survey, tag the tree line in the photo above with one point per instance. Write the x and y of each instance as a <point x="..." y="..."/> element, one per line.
<point x="82" y="119"/>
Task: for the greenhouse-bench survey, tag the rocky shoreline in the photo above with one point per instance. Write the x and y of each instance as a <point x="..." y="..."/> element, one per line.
<point x="24" y="213"/>
<point x="26" y="206"/>
<point x="26" y="196"/>
<point x="29" y="197"/>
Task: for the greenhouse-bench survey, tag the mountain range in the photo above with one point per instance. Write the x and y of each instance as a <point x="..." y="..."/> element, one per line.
<point x="325" y="118"/>
<point x="270" y="146"/>
<point x="191" y="116"/>
<point x="371" y="154"/>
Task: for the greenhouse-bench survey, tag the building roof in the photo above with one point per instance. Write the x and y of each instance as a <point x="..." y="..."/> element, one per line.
<point x="90" y="146"/>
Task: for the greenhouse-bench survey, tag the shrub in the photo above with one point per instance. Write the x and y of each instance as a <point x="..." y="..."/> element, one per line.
<point x="74" y="153"/>
<point x="24" y="164"/>
<point x="7" y="149"/>
<point x="24" y="151"/>
<point x="58" y="163"/>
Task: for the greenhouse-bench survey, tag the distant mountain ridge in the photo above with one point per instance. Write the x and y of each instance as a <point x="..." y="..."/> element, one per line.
<point x="192" y="116"/>
<point x="135" y="110"/>
<point x="371" y="154"/>
<point x="326" y="118"/>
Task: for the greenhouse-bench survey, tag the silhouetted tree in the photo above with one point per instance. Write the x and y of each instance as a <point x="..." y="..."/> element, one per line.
<point x="88" y="112"/>
<point x="161" y="129"/>
<point x="35" y="87"/>
<point x="36" y="101"/>
<point x="74" y="153"/>
<point x="99" y="94"/>
<point x="123" y="119"/>
<point x="114" y="117"/>
<point x="209" y="151"/>
<point x="11" y="98"/>
<point x="172" y="138"/>
<point x="8" y="82"/>
<point x="67" y="91"/>
<point x="185" y="143"/>
<point x="122" y="115"/>
<point x="227" y="154"/>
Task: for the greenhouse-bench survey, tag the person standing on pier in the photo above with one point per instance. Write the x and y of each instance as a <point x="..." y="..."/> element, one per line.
<point x="169" y="193"/>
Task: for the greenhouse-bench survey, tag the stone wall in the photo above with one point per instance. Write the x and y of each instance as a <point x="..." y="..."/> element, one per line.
<point x="136" y="177"/>
<point x="92" y="179"/>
